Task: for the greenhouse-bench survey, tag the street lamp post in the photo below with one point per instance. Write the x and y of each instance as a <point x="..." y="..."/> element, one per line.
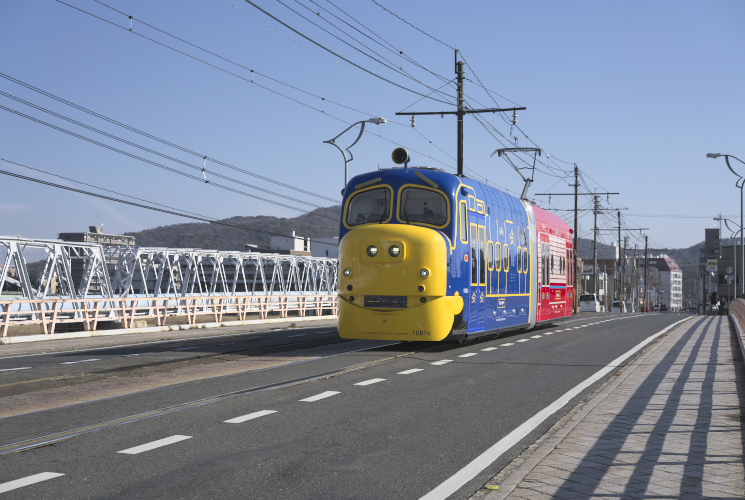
<point x="376" y="121"/>
<point x="734" y="252"/>
<point x="740" y="184"/>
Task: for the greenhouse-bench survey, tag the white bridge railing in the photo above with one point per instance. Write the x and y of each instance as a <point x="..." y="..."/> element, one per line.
<point x="52" y="312"/>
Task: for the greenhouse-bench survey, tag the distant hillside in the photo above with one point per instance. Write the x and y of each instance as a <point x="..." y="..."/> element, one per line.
<point x="320" y="223"/>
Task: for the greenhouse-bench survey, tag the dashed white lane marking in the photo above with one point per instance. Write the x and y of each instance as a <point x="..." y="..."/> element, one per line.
<point x="481" y="462"/>
<point x="187" y="348"/>
<point x="27" y="481"/>
<point x="323" y="395"/>
<point x="413" y="370"/>
<point x="523" y="340"/>
<point x="489" y="349"/>
<point x="76" y="362"/>
<point x="576" y="327"/>
<point x="155" y="444"/>
<point x="13" y="369"/>
<point x="329" y="331"/>
<point x="507" y="345"/>
<point x="139" y="354"/>
<point x="536" y="336"/>
<point x="442" y="362"/>
<point x="549" y="333"/>
<point x="299" y="335"/>
<point x="468" y="355"/>
<point x="250" y="416"/>
<point x="371" y="381"/>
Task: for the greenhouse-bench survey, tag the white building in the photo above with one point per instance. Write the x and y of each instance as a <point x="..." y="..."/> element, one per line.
<point x="669" y="287"/>
<point x="325" y="247"/>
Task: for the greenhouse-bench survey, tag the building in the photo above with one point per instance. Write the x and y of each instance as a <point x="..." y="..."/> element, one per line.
<point x="95" y="234"/>
<point x="325" y="247"/>
<point x="666" y="284"/>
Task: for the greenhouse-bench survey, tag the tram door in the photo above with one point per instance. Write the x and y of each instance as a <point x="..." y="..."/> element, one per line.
<point x="477" y="238"/>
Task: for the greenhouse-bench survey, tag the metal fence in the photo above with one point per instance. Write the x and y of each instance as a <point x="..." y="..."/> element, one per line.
<point x="90" y="312"/>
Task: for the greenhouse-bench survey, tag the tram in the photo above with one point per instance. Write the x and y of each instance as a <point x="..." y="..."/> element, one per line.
<point x="425" y="255"/>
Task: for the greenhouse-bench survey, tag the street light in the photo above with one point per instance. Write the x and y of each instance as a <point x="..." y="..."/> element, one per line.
<point x="740" y="184"/>
<point x="376" y="121"/>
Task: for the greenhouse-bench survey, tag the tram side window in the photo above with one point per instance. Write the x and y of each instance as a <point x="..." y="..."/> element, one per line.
<point x="506" y="258"/>
<point x="482" y="254"/>
<point x="474" y="244"/>
<point x="519" y="259"/>
<point x="369" y="206"/>
<point x="490" y="256"/>
<point x="525" y="260"/>
<point x="463" y="222"/>
<point x="423" y="205"/>
<point x="498" y="256"/>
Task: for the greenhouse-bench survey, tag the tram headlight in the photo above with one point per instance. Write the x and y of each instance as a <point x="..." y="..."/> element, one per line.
<point x="424" y="273"/>
<point x="372" y="251"/>
<point x="347" y="272"/>
<point x="394" y="251"/>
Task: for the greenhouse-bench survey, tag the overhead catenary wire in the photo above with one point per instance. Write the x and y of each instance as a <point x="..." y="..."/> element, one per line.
<point x="249" y="80"/>
<point x="140" y="205"/>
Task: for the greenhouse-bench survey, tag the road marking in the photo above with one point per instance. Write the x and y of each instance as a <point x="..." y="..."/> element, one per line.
<point x="27" y="481"/>
<point x="76" y="362"/>
<point x="507" y="345"/>
<point x="468" y="355"/>
<point x="489" y="349"/>
<point x="548" y="333"/>
<point x="323" y="395"/>
<point x="300" y="335"/>
<point x="250" y="416"/>
<point x="576" y="327"/>
<point x="413" y="370"/>
<point x="442" y="362"/>
<point x="329" y="331"/>
<point x="536" y="336"/>
<point x="460" y="478"/>
<point x="523" y="340"/>
<point x="187" y="348"/>
<point x="371" y="381"/>
<point x="139" y="354"/>
<point x="155" y="444"/>
<point x="12" y="369"/>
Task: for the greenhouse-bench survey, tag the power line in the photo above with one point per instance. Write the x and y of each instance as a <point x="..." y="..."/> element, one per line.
<point x="159" y="165"/>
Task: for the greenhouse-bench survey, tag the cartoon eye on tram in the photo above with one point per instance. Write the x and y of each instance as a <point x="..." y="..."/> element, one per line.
<point x="428" y="255"/>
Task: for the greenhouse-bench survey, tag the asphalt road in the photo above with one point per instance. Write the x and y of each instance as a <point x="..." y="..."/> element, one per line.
<point x="356" y="419"/>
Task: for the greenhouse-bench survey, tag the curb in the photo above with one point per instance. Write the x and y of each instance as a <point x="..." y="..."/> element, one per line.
<point x="156" y="329"/>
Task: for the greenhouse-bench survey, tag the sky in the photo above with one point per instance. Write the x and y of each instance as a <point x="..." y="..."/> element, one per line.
<point x="635" y="93"/>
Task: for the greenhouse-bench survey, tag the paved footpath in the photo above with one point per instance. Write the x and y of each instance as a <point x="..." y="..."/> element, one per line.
<point x="669" y="426"/>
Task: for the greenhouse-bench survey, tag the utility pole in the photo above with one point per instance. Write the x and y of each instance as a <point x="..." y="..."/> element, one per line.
<point x="595" y="248"/>
<point x="618" y="269"/>
<point x="461" y="111"/>
<point x="646" y="270"/>
<point x="575" y="243"/>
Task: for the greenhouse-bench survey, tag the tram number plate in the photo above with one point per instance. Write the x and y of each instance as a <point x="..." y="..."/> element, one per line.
<point x="387" y="301"/>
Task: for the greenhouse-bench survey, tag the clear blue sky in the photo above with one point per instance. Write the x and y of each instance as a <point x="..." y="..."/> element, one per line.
<point x="635" y="93"/>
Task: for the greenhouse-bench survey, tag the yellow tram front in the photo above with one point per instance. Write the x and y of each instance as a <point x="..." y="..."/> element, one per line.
<point x="393" y="261"/>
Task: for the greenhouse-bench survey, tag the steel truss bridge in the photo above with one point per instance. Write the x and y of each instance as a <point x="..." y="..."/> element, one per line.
<point x="75" y="272"/>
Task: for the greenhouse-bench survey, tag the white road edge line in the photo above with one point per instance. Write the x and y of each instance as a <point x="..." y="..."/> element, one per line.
<point x="13" y="369"/>
<point x="76" y="362"/>
<point x="460" y="478"/>
<point x="155" y="444"/>
<point x="250" y="416"/>
<point x="27" y="481"/>
<point x="371" y="381"/>
<point x="323" y="395"/>
<point x="413" y="370"/>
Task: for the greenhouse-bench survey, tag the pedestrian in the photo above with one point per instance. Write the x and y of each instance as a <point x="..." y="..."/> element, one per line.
<point x="722" y="306"/>
<point x="714" y="301"/>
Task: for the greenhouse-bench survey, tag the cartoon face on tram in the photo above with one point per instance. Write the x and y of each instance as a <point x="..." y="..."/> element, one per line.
<point x="427" y="255"/>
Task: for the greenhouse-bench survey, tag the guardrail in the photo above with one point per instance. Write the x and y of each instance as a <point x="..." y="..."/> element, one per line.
<point x="91" y="311"/>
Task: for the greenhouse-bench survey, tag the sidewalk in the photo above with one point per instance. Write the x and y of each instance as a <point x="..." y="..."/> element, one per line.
<point x="669" y="426"/>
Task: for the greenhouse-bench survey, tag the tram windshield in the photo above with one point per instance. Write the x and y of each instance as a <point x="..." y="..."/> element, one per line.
<point x="373" y="205"/>
<point x="423" y="205"/>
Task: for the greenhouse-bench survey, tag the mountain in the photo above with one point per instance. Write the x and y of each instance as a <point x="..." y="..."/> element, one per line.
<point x="320" y="223"/>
